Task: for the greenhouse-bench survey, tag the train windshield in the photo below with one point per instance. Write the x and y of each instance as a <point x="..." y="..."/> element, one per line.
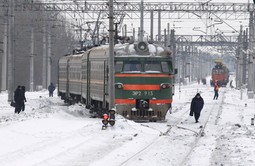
<point x="166" y="67"/>
<point x="152" y="66"/>
<point x="217" y="71"/>
<point x="132" y="66"/>
<point x="118" y="66"/>
<point x="143" y="66"/>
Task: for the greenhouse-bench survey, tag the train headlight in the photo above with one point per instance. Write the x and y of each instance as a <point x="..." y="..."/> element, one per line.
<point x="165" y="85"/>
<point x="118" y="85"/>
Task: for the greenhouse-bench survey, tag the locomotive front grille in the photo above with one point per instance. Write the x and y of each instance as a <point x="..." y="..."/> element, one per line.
<point x="142" y="110"/>
<point x="142" y="113"/>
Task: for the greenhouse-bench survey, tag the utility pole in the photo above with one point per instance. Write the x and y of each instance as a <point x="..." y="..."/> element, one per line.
<point x="134" y="34"/>
<point x="173" y="47"/>
<point x="32" y="59"/>
<point x="193" y="57"/>
<point x="141" y="22"/>
<point x="244" y="57"/>
<point x="250" y="56"/>
<point x="10" y="49"/>
<point x="168" y="35"/>
<point x="124" y="31"/>
<point x="116" y="34"/>
<point x="238" y="60"/>
<point x="159" y="26"/>
<point x="4" y="58"/>
<point x="111" y="58"/>
<point x="49" y="59"/>
<point x="165" y="38"/>
<point x="253" y="57"/>
<point x="44" y="66"/>
<point x="151" y="25"/>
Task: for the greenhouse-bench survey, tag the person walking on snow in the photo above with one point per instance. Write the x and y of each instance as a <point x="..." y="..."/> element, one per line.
<point x="51" y="89"/>
<point x="216" y="91"/>
<point x="196" y="106"/>
<point x="18" y="98"/>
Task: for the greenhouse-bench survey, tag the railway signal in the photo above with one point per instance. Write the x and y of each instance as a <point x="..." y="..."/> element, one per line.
<point x="112" y="117"/>
<point x="109" y="118"/>
<point x="105" y="121"/>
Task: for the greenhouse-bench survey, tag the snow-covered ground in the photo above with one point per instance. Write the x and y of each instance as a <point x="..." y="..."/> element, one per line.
<point x="51" y="133"/>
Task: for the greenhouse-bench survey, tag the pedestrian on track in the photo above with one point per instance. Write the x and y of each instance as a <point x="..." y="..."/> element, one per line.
<point x="196" y="106"/>
<point x="216" y="91"/>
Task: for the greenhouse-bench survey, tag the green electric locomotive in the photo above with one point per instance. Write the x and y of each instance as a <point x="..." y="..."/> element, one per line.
<point x="144" y="80"/>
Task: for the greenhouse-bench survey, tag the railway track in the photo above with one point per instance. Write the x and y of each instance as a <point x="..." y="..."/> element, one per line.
<point x="159" y="137"/>
<point x="174" y="127"/>
<point x="201" y="131"/>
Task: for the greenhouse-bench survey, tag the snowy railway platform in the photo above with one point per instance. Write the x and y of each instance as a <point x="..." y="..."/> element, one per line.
<point x="51" y="133"/>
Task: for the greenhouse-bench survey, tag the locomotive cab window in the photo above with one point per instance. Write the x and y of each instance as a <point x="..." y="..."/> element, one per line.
<point x="132" y="66"/>
<point x="118" y="66"/>
<point x="166" y="67"/>
<point x="152" y="66"/>
<point x="217" y="71"/>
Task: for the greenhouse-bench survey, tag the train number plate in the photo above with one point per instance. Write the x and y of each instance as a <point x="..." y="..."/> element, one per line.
<point x="142" y="93"/>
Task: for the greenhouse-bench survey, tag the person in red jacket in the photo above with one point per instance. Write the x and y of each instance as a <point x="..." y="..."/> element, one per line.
<point x="216" y="91"/>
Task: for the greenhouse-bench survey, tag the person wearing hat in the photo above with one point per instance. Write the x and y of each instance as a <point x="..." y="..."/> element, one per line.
<point x="196" y="106"/>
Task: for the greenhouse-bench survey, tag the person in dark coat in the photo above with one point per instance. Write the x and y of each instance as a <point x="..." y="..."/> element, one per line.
<point x="196" y="106"/>
<point x="51" y="89"/>
<point x="18" y="98"/>
<point x="23" y="89"/>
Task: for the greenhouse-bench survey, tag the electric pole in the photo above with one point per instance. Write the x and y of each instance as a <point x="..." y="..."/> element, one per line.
<point x="111" y="58"/>
<point x="49" y="59"/>
<point x="159" y="27"/>
<point x="141" y="22"/>
<point x="4" y="58"/>
<point x="32" y="60"/>
<point x="44" y="68"/>
<point x="10" y="52"/>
